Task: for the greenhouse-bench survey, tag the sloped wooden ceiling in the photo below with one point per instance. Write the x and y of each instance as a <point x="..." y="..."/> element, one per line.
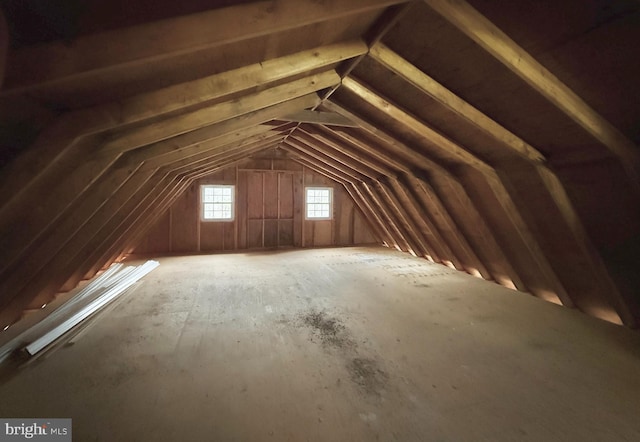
<point x="499" y="138"/>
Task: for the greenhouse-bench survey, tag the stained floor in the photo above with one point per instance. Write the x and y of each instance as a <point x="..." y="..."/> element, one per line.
<point x="352" y="344"/>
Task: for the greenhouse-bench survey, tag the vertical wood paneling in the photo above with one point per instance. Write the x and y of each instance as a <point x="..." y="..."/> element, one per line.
<point x="344" y="216"/>
<point x="361" y="232"/>
<point x="285" y="233"/>
<point x="269" y="213"/>
<point x="298" y="209"/>
<point x="212" y="236"/>
<point x="270" y="233"/>
<point x="270" y="195"/>
<point x="286" y="196"/>
<point x="184" y="220"/>
<point x="157" y="239"/>
<point x="254" y="195"/>
<point x="254" y="233"/>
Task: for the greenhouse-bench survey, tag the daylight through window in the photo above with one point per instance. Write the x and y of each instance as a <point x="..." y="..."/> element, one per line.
<point x="319" y="202"/>
<point x="217" y="202"/>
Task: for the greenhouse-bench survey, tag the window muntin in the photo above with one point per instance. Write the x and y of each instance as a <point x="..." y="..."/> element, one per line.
<point x="318" y="203"/>
<point x="217" y="202"/>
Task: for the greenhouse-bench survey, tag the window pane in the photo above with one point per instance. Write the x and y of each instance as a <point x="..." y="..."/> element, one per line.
<point x="318" y="203"/>
<point x="217" y="202"/>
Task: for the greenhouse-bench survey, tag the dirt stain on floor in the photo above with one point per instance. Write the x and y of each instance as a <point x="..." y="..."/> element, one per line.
<point x="330" y="330"/>
<point x="367" y="374"/>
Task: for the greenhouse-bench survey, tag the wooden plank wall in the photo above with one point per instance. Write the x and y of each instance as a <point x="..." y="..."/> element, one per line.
<point x="269" y="214"/>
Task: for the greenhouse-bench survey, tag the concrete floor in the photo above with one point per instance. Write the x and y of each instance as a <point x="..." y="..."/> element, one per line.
<point x="356" y="344"/>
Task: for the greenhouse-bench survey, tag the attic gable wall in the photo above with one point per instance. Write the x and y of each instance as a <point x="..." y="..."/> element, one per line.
<point x="269" y="212"/>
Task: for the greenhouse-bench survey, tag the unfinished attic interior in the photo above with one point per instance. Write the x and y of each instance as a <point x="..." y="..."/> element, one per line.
<point x="375" y="219"/>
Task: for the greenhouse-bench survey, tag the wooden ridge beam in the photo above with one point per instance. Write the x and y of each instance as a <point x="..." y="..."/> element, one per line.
<point x="219" y="132"/>
<point x="380" y="28"/>
<point x="395" y="63"/>
<point x="477" y="27"/>
<point x="319" y="117"/>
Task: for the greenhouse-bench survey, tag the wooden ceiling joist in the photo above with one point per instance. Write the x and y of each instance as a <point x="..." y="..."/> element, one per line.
<point x="400" y="215"/>
<point x="357" y="142"/>
<point x="394" y="146"/>
<point x="155" y="45"/>
<point x="87" y="174"/>
<point x="440" y="251"/>
<point x="438" y="219"/>
<point x="477" y="27"/>
<point x="400" y="241"/>
<point x="392" y="61"/>
<point x="88" y="221"/>
<point x="523" y="243"/>
<point x="79" y="177"/>
<point x="507" y="276"/>
<point x="174" y="126"/>
<point x="440" y="141"/>
<point x="302" y="146"/>
<point x="54" y="141"/>
<point x="314" y="137"/>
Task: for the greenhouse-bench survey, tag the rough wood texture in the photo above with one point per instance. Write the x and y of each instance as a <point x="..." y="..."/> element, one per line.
<point x="498" y="138"/>
<point x="265" y="215"/>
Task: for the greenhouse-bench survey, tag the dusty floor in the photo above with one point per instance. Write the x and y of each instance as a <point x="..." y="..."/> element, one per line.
<point x="335" y="345"/>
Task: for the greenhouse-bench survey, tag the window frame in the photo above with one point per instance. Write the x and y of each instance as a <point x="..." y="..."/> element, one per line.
<point x="306" y="203"/>
<point x="203" y="202"/>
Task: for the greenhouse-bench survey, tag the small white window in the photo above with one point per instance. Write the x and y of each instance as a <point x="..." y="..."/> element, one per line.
<point x="217" y="202"/>
<point x="318" y="202"/>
